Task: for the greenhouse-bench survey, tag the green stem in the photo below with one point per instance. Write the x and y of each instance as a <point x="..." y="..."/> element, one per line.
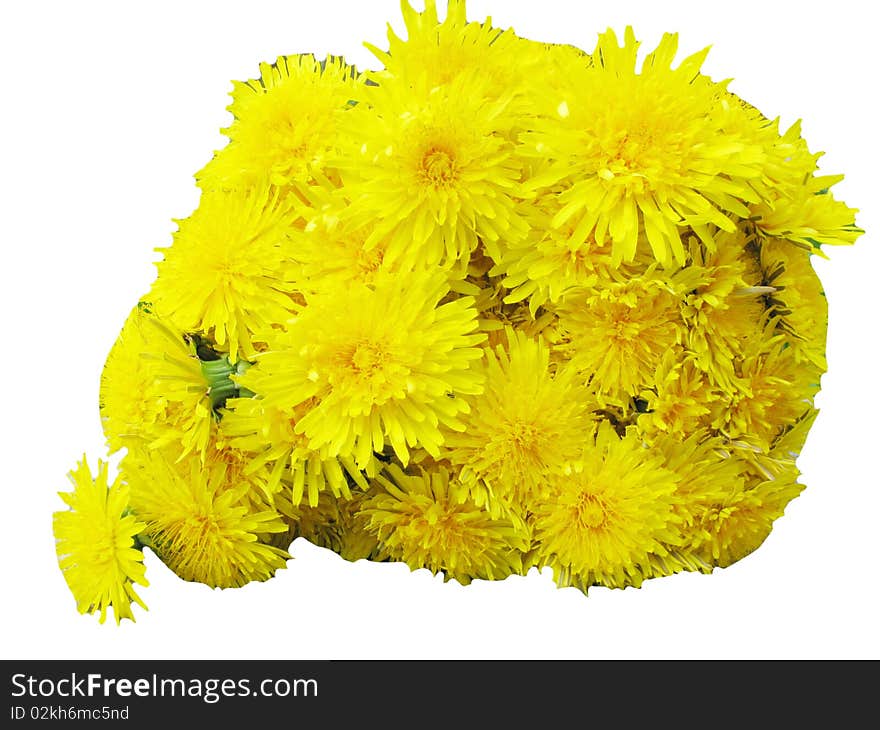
<point x="218" y="374"/>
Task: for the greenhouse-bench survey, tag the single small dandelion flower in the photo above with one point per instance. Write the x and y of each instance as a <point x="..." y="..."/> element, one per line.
<point x="617" y="336"/>
<point x="97" y="544"/>
<point x="780" y="460"/>
<point x="677" y="401"/>
<point x="153" y="388"/>
<point x="286" y="125"/>
<point x="708" y="473"/>
<point x="607" y="514"/>
<point x="770" y="393"/>
<point x="438" y="53"/>
<point x="643" y="152"/>
<point x="340" y="525"/>
<point x="378" y="365"/>
<point x="529" y="421"/>
<point x="723" y="304"/>
<point x="127" y="413"/>
<point x="426" y="520"/>
<point x="201" y="523"/>
<point x="228" y="274"/>
<point x="313" y="523"/>
<point x="331" y="252"/>
<point x="808" y="216"/>
<point x="728" y="529"/>
<point x="434" y="171"/>
<point x="547" y="264"/>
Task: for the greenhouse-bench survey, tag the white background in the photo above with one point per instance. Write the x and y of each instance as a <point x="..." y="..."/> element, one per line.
<point x="107" y="110"/>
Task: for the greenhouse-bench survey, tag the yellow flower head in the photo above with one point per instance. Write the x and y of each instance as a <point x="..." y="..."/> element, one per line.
<point x="771" y="393"/>
<point x="809" y="216"/>
<point x="428" y="521"/>
<point x="547" y="264"/>
<point x="794" y="202"/>
<point x="677" y="401"/>
<point x="433" y="170"/>
<point x="384" y="364"/>
<point x="643" y="152"/>
<point x="529" y="421"/>
<point x="729" y="528"/>
<point x="724" y="304"/>
<point x="202" y="522"/>
<point x="97" y="544"/>
<point x="153" y="388"/>
<point x="618" y="335"/>
<point x="285" y="127"/>
<point x="331" y="251"/>
<point x="340" y="525"/>
<point x="607" y="514"/>
<point x="126" y="381"/>
<point x="437" y="53"/>
<point x="228" y="273"/>
<point x="709" y="474"/>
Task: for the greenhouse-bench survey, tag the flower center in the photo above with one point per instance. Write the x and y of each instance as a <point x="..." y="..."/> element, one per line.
<point x="591" y="511"/>
<point x="524" y="438"/>
<point x="368" y="358"/>
<point x="438" y="168"/>
<point x="369" y="261"/>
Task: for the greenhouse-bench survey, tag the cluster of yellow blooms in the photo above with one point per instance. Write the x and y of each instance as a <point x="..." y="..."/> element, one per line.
<point x="499" y="305"/>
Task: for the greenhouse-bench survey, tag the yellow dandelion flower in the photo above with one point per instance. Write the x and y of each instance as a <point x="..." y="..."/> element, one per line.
<point x="607" y="514"/>
<point x="438" y="53"/>
<point x="795" y="203"/>
<point x="798" y="299"/>
<point x="154" y="389"/>
<point x="617" y="336"/>
<point x="269" y="436"/>
<point x="728" y="529"/>
<point x="286" y="125"/>
<point x="787" y="161"/>
<point x="558" y="62"/>
<point x="428" y="521"/>
<point x="202" y="523"/>
<point x="547" y="264"/>
<point x="724" y="304"/>
<point x="708" y="473"/>
<point x="127" y="413"/>
<point x="677" y="400"/>
<point x="228" y="274"/>
<point x="644" y="152"/>
<point x="433" y="170"/>
<point x="331" y="252"/>
<point x="808" y="215"/>
<point x="770" y="393"/>
<point x="97" y="544"/>
<point x="387" y="364"/>
<point x="340" y="525"/>
<point x="530" y="419"/>
<point x="354" y="540"/>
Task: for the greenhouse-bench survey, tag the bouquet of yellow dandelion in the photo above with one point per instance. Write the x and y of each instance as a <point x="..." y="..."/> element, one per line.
<point x="499" y="305"/>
